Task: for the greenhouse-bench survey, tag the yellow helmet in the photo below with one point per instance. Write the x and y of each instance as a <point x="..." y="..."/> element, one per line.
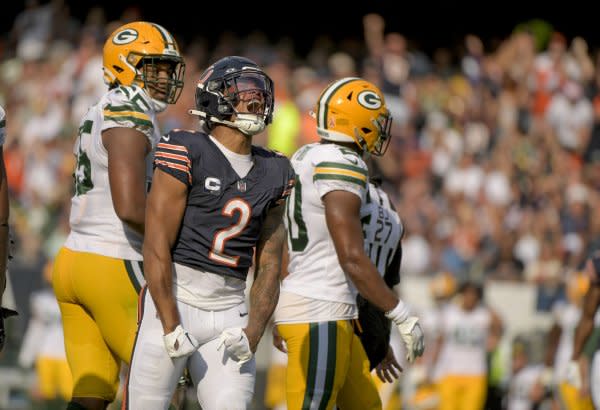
<point x="578" y="284"/>
<point x="443" y="285"/>
<point x="131" y="53"/>
<point x="354" y="110"/>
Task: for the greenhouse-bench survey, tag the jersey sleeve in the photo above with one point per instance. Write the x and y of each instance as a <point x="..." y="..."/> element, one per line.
<point x="173" y="157"/>
<point x="2" y="126"/>
<point x="288" y="185"/>
<point x="128" y="108"/>
<point x="341" y="173"/>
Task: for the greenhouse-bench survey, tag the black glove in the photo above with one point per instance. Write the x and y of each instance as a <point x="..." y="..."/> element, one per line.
<point x="4" y="313"/>
<point x="375" y="335"/>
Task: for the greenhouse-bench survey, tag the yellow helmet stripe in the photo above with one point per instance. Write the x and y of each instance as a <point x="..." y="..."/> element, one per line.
<point x="324" y="100"/>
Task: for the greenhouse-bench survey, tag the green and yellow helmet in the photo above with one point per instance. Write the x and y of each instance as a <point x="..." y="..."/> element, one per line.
<point x="354" y="110"/>
<point x="131" y="52"/>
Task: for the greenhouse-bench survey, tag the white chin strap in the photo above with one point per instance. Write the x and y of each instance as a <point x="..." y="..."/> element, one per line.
<point x="248" y="124"/>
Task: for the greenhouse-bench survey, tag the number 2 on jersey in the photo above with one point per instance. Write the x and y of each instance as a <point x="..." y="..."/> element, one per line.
<point x="231" y="207"/>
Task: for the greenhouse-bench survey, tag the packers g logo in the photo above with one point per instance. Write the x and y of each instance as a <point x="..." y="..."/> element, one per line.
<point x="369" y="99"/>
<point x="125" y="36"/>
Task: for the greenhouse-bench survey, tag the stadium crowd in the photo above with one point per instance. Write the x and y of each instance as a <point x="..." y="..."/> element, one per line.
<point x="494" y="166"/>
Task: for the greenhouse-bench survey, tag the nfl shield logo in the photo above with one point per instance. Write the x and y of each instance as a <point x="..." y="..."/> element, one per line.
<point x="241" y="186"/>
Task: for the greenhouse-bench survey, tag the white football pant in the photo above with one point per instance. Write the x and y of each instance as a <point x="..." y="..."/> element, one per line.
<point x="221" y="384"/>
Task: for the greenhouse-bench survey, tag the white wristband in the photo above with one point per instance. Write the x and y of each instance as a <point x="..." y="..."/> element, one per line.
<point x="398" y="314"/>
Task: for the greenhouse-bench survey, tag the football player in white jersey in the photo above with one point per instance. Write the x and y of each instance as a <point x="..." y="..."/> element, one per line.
<point x="4" y="313"/>
<point x="98" y="271"/>
<point x="327" y="258"/>
<point x="585" y="343"/>
<point x="469" y="330"/>
<point x="560" y="342"/>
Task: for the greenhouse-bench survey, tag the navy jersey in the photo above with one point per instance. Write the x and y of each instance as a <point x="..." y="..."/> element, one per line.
<point x="224" y="213"/>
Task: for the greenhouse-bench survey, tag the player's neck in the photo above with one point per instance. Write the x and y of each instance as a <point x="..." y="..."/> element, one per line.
<point x="233" y="140"/>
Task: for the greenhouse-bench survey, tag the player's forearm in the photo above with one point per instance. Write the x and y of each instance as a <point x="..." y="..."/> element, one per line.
<point x="132" y="215"/>
<point x="368" y="282"/>
<point x="263" y="300"/>
<point x="582" y="332"/>
<point x="159" y="279"/>
<point x="265" y="288"/>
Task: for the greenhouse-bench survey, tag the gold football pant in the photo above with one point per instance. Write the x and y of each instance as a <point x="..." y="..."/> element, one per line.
<point x="98" y="298"/>
<point x="572" y="400"/>
<point x="462" y="392"/>
<point x="54" y="378"/>
<point x="327" y="365"/>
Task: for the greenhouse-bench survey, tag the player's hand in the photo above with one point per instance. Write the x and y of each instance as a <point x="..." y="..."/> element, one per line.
<point x="236" y="342"/>
<point x="574" y="374"/>
<point x="389" y="369"/>
<point x="4" y="313"/>
<point x="278" y="341"/>
<point x="180" y="343"/>
<point x="412" y="336"/>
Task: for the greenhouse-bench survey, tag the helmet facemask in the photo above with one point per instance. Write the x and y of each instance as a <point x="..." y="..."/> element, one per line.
<point x="383" y="124"/>
<point x="171" y="86"/>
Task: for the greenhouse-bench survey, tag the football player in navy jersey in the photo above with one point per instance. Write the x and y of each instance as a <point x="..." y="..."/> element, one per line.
<point x="215" y="204"/>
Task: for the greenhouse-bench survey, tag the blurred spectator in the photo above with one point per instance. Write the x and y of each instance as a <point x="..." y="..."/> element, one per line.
<point x="43" y="346"/>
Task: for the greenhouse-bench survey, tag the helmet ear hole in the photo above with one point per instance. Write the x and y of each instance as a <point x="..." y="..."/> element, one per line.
<point x="365" y="130"/>
<point x="117" y="69"/>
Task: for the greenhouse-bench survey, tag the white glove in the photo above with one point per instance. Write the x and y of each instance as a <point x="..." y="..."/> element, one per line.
<point x="412" y="336"/>
<point x="236" y="343"/>
<point x="574" y="374"/>
<point x="547" y="377"/>
<point x="180" y="343"/>
<point x="410" y="330"/>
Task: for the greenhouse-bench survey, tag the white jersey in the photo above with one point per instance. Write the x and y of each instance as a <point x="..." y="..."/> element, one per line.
<point x="95" y="226"/>
<point x="465" y="335"/>
<point x="2" y="126"/>
<point x="382" y="228"/>
<point x="567" y="316"/>
<point x="521" y="384"/>
<point x="314" y="268"/>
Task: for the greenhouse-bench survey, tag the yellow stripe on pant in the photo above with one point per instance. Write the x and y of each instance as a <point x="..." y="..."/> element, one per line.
<point x="327" y="365"/>
<point x="98" y="303"/>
